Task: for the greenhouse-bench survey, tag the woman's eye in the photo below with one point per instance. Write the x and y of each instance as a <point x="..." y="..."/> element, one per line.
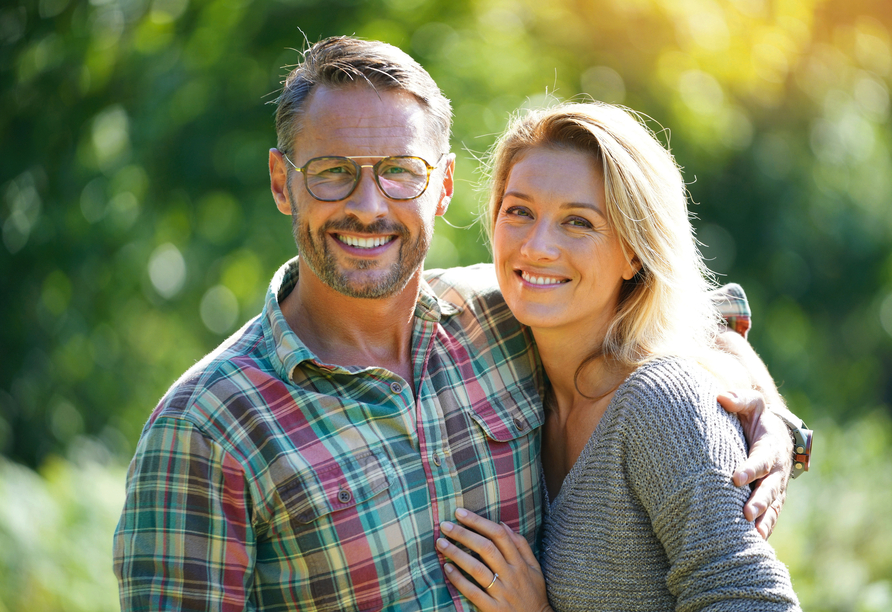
<point x="517" y="211"/>
<point x="579" y="222"/>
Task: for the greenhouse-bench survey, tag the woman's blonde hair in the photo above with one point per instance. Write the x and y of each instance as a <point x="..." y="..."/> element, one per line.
<point x="666" y="308"/>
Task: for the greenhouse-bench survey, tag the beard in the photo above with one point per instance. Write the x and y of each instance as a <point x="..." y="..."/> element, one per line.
<point x="314" y="250"/>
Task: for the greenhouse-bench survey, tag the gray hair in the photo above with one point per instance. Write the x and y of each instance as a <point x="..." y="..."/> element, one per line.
<point x="342" y="61"/>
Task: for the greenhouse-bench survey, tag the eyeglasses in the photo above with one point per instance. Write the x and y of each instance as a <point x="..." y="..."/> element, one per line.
<point x="333" y="178"/>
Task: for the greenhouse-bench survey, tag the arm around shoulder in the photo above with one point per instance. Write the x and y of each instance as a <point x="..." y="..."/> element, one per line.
<point x="681" y="452"/>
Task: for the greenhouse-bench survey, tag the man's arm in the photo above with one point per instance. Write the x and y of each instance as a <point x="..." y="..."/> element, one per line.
<point x="185" y="539"/>
<point x="771" y="448"/>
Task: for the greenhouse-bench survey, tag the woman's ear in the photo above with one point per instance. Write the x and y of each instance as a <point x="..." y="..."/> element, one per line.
<point x="632" y="268"/>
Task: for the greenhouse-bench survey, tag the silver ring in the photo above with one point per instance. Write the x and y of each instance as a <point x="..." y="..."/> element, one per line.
<point x="494" y="578"/>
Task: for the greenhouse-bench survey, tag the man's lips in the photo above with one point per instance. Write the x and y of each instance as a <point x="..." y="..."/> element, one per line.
<point x="364" y="245"/>
<point x="541" y="280"/>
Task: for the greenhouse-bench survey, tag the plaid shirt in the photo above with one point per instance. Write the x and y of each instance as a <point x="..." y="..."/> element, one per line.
<point x="268" y="480"/>
<point x="734" y="308"/>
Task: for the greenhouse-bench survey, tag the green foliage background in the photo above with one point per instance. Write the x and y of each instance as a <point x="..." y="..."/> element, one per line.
<point x="138" y="229"/>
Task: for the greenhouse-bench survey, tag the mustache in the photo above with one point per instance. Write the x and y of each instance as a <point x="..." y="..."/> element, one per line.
<point x="350" y="224"/>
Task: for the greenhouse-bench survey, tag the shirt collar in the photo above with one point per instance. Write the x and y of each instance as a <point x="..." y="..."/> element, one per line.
<point x="287" y="351"/>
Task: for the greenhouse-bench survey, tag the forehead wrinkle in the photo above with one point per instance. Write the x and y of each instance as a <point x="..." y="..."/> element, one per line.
<point x="350" y="122"/>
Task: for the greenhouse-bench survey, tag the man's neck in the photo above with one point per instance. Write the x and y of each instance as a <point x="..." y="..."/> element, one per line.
<point x="350" y="331"/>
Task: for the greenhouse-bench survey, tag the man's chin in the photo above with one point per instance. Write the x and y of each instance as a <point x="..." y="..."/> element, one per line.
<point x="367" y="284"/>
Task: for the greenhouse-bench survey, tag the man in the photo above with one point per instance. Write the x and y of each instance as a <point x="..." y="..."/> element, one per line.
<point x="308" y="461"/>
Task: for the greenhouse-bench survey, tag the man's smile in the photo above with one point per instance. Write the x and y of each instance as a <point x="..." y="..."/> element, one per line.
<point x="364" y="243"/>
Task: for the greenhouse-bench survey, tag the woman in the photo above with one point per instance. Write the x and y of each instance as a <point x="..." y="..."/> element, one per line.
<point x="594" y="251"/>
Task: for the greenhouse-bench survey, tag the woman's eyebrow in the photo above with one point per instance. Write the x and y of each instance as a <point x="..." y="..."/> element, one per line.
<point x="585" y="205"/>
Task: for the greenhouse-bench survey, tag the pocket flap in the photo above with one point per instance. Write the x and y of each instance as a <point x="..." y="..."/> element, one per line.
<point x="510" y="415"/>
<point x="337" y="484"/>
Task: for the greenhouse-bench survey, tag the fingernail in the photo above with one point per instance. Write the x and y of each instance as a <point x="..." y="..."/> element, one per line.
<point x="448" y="568"/>
<point x="730" y="394"/>
<point x="442" y="544"/>
<point x="461" y="513"/>
<point x="446" y="526"/>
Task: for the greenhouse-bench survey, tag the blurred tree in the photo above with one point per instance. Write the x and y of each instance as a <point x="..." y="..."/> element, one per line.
<point x="137" y="229"/>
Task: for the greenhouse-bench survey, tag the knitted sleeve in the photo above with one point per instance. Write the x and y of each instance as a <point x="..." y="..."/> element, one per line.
<point x="681" y="452"/>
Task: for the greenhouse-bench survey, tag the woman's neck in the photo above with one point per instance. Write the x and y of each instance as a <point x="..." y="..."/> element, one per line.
<point x="577" y="399"/>
<point x="562" y="355"/>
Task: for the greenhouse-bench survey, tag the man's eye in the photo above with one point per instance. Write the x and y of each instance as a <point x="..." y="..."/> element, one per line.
<point x="394" y="170"/>
<point x="334" y="170"/>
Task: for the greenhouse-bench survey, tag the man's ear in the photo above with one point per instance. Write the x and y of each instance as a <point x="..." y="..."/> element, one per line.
<point x="448" y="185"/>
<point x="278" y="181"/>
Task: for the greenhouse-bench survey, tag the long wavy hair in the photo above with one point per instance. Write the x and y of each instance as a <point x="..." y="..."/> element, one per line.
<point x="666" y="308"/>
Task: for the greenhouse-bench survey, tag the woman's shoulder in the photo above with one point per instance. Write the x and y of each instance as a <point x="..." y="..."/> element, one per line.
<point x="668" y="381"/>
<point x="672" y="402"/>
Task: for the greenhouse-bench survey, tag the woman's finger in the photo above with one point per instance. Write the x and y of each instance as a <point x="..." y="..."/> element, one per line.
<point x="523" y="547"/>
<point x="476" y="569"/>
<point x="477" y="595"/>
<point x="494" y="534"/>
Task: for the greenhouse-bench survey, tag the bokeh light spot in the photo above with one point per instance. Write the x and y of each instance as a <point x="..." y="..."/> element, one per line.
<point x="111" y="136"/>
<point x="219" y="309"/>
<point x="604" y="83"/>
<point x="167" y="270"/>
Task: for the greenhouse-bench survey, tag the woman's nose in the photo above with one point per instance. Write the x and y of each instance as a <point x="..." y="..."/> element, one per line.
<point x="539" y="244"/>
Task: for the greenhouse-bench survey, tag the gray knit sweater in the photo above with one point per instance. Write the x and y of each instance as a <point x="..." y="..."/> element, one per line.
<point x="648" y="518"/>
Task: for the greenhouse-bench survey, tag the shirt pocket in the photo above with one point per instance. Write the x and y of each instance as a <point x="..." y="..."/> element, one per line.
<point x="502" y="480"/>
<point x="510" y="415"/>
<point x="336" y="485"/>
<point x="335" y="558"/>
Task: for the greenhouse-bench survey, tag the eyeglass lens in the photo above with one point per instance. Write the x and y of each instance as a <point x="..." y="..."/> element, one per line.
<point x="333" y="178"/>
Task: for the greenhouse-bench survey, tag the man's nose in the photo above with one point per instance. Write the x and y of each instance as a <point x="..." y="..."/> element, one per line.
<point x="367" y="203"/>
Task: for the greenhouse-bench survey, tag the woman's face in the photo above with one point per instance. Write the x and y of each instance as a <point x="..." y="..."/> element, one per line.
<point x="558" y="260"/>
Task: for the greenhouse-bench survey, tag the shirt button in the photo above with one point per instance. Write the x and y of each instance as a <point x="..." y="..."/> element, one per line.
<point x="436" y="459"/>
<point x="344" y="496"/>
<point x="396" y="387"/>
<point x="520" y="423"/>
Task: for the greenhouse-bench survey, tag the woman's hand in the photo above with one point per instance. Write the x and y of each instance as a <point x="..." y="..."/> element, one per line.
<point x="509" y="578"/>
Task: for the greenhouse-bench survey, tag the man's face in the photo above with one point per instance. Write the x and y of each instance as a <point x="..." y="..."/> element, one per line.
<point x="366" y="245"/>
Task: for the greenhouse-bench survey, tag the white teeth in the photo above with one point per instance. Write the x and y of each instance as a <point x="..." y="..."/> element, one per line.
<point x="541" y="280"/>
<point x="365" y="243"/>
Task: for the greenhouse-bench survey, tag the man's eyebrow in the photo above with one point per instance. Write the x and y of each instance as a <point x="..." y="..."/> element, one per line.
<point x="566" y="205"/>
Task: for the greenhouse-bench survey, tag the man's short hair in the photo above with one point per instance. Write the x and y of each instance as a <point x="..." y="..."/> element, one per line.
<point x="342" y="61"/>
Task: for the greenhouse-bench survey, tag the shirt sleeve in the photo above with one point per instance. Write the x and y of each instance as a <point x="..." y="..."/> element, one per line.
<point x="185" y="539"/>
<point x="732" y="304"/>
<point x="681" y="451"/>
